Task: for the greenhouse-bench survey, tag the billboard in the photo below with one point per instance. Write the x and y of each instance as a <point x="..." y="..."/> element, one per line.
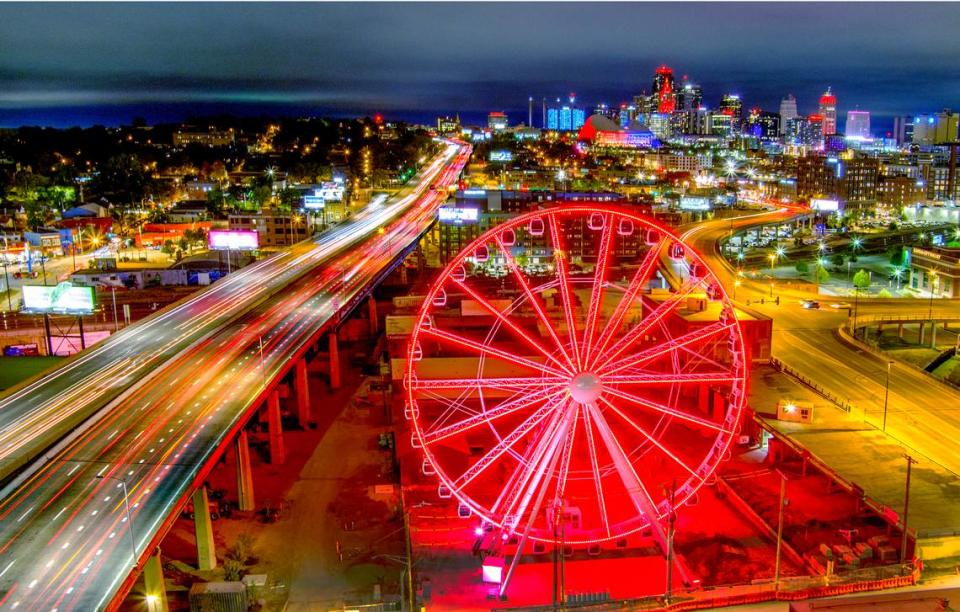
<point x="459" y="215"/>
<point x="501" y="155"/>
<point x="694" y="203"/>
<point x="65" y="298"/>
<point x="829" y="205"/>
<point x="233" y="240"/>
<point x="313" y="202"/>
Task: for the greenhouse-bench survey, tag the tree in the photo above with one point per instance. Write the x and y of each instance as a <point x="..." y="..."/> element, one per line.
<point x="123" y="179"/>
<point x="861" y="280"/>
<point x="822" y="275"/>
<point x="289" y="199"/>
<point x="837" y="260"/>
<point x="168" y="248"/>
<point x="896" y="255"/>
<point x="802" y="267"/>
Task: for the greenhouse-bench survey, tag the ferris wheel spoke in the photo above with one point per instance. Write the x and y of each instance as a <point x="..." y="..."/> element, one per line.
<point x="534" y="301"/>
<point x="504" y="409"/>
<point x="664" y="409"/>
<point x="651" y="439"/>
<point x="516" y="329"/>
<point x="459" y="340"/>
<point x="554" y="455"/>
<point x="628" y="476"/>
<point x="626" y="301"/>
<point x="504" y="445"/>
<point x="595" y="471"/>
<point x="567" y="454"/>
<point x="560" y="254"/>
<point x="674" y="344"/>
<point x="667" y="378"/>
<point x="599" y="280"/>
<point x="645" y="325"/>
<point x="545" y="463"/>
<point x="508" y="383"/>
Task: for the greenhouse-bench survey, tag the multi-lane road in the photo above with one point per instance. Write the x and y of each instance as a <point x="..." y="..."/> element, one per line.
<point x="183" y="382"/>
<point x="922" y="413"/>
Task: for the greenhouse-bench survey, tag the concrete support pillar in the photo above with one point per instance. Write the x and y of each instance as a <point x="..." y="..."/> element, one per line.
<point x="923" y="334"/>
<point x="900" y="330"/>
<point x="245" y="498"/>
<point x="156" y="589"/>
<point x="206" y="546"/>
<point x="301" y="388"/>
<point x="278" y="452"/>
<point x="334" y="360"/>
<point x="374" y="324"/>
<point x="933" y="334"/>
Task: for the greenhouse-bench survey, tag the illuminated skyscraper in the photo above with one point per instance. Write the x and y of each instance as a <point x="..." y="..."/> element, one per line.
<point x="788" y="111"/>
<point x="828" y="110"/>
<point x="858" y="124"/>
<point x="566" y="117"/>
<point x="731" y="105"/>
<point x="663" y="90"/>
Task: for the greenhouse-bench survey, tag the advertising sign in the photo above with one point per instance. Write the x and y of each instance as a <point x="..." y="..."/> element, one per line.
<point x="829" y="205"/>
<point x="459" y="215"/>
<point x="694" y="203"/>
<point x="65" y="298"/>
<point x="313" y="202"/>
<point x="233" y="240"/>
<point x="501" y="156"/>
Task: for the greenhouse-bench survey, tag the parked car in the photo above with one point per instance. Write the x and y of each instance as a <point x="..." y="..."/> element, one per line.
<point x="810" y="304"/>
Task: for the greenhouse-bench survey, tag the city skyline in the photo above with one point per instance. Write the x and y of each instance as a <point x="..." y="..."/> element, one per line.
<point x="296" y="59"/>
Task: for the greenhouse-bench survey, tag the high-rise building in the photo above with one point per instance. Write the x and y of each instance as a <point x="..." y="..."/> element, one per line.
<point x="731" y="105"/>
<point x="935" y="129"/>
<point x="565" y="117"/>
<point x="762" y="124"/>
<point x="828" y="110"/>
<point x="805" y="131"/>
<point x="497" y="121"/>
<point x="858" y="124"/>
<point x="689" y="97"/>
<point x="788" y="111"/>
<point x="663" y="90"/>
<point x="903" y="129"/>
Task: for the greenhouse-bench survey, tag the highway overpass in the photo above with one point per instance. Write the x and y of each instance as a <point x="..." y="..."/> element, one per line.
<point x="147" y="413"/>
<point x="922" y="413"/>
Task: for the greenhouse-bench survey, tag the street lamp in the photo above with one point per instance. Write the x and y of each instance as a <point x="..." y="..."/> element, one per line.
<point x="772" y="259"/>
<point x="126" y="505"/>
<point x="886" y="396"/>
<point x="933" y="284"/>
<point x="736" y="284"/>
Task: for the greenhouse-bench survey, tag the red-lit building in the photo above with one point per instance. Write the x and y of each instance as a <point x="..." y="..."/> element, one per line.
<point x="828" y="110"/>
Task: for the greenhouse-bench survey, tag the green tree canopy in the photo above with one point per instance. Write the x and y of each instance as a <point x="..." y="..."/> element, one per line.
<point x="861" y="279"/>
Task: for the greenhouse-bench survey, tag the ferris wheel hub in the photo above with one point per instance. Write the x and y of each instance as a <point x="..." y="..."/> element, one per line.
<point x="585" y="388"/>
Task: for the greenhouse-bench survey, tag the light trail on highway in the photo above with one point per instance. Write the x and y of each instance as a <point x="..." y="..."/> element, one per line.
<point x="65" y="538"/>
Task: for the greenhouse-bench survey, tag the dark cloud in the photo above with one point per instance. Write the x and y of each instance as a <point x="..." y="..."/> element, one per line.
<point x="888" y="57"/>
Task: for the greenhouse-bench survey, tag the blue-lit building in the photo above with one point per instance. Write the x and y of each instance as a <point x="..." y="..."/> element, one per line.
<point x="565" y="118"/>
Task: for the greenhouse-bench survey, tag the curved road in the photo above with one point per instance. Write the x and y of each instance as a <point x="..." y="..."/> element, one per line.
<point x="922" y="413"/>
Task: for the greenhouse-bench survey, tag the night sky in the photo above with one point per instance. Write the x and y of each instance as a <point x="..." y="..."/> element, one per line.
<point x="64" y="64"/>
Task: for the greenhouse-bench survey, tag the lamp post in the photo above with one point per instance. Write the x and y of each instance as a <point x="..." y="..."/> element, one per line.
<point x="126" y="505"/>
<point x="736" y="284"/>
<point x="886" y="396"/>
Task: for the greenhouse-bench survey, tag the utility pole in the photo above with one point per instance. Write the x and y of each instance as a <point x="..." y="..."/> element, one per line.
<point x="670" y="531"/>
<point x="116" y="321"/>
<point x="906" y="507"/>
<point x="783" y="502"/>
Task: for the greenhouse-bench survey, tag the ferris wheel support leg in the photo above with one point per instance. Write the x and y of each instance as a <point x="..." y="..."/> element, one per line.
<point x="559" y="437"/>
<point x="638" y="494"/>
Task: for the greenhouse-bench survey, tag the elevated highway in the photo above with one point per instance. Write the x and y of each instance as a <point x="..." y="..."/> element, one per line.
<point x="148" y="424"/>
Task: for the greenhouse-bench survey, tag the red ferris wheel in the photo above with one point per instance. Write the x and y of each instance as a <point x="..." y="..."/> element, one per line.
<point x="575" y="370"/>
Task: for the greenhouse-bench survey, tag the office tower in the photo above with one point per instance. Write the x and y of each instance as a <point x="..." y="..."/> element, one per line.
<point x="858" y="124"/>
<point x="788" y="111"/>
<point x="828" y="110"/>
